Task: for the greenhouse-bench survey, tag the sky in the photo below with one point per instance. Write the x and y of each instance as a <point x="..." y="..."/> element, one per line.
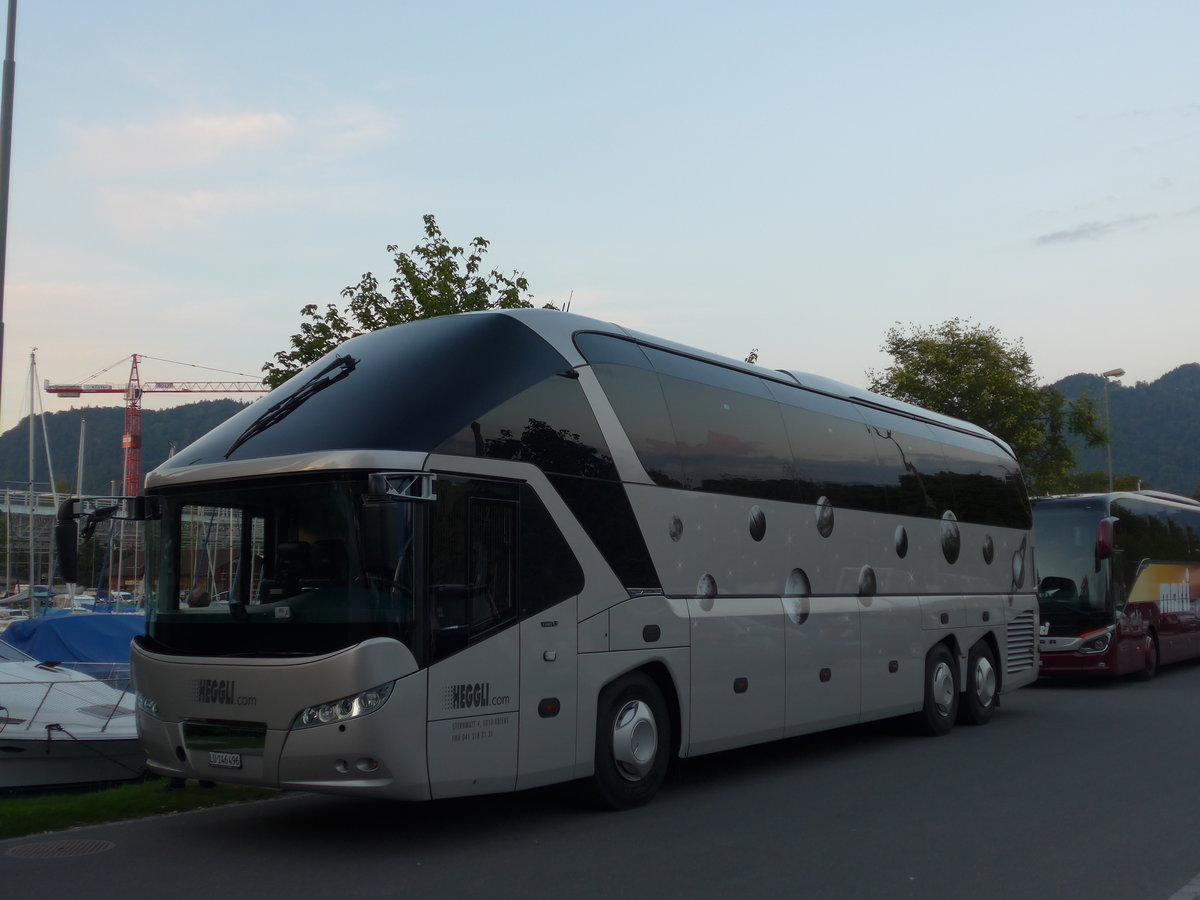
<point x="792" y="177"/>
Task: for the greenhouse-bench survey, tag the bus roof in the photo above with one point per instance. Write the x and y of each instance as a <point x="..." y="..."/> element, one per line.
<point x="559" y="328"/>
<point x="1109" y="497"/>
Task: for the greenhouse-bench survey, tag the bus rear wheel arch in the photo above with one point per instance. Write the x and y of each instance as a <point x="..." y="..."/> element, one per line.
<point x="634" y="742"/>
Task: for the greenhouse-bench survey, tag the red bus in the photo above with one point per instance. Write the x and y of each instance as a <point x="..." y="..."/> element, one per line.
<point x="1119" y="582"/>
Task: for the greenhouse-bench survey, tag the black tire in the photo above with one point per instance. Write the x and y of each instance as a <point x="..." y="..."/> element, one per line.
<point x="633" y="743"/>
<point x="1151" y="669"/>
<point x="940" y="709"/>
<point x="982" y="692"/>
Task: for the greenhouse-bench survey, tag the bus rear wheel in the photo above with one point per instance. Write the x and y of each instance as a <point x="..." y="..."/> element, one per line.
<point x="940" y="709"/>
<point x="633" y="743"/>
<point x="978" y="701"/>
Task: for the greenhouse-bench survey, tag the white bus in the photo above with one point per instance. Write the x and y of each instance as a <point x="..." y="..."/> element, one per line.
<point x="486" y="552"/>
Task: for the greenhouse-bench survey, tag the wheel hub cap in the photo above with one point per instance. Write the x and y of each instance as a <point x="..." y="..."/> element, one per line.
<point x="943" y="688"/>
<point x="985" y="681"/>
<point x="635" y="740"/>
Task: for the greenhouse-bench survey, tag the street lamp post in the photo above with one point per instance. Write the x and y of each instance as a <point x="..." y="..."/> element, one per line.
<point x="1111" y="373"/>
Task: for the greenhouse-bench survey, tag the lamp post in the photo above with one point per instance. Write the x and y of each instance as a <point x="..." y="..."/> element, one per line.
<point x="1111" y="373"/>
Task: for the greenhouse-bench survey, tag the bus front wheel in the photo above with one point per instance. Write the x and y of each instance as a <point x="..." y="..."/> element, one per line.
<point x="633" y="742"/>
<point x="1151" y="654"/>
<point x="979" y="699"/>
<point x="941" y="692"/>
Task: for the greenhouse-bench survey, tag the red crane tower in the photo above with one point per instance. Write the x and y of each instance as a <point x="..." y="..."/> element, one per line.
<point x="131" y="439"/>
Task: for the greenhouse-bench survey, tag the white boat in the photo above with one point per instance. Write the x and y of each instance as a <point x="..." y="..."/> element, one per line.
<point x="59" y="727"/>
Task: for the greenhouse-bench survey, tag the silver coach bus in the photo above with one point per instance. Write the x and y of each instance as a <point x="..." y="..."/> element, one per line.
<point x="492" y="551"/>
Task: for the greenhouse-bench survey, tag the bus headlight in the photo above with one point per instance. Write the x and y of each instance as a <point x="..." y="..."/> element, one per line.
<point x="344" y="708"/>
<point x="147" y="705"/>
<point x="1096" y="643"/>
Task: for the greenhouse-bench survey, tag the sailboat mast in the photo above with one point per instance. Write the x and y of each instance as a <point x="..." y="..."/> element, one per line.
<point x="30" y="497"/>
<point x="79" y="484"/>
<point x="50" y="560"/>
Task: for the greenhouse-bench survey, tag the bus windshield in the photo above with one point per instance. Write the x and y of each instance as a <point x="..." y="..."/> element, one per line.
<point x="1072" y="589"/>
<point x="279" y="568"/>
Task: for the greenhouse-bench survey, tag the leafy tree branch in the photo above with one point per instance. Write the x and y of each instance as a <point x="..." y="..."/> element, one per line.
<point x="435" y="278"/>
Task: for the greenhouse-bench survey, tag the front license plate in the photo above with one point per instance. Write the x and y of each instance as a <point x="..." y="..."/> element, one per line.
<point x="225" y="760"/>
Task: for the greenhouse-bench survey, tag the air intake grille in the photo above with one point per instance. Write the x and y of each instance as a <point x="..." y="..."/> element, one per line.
<point x="1021" y="643"/>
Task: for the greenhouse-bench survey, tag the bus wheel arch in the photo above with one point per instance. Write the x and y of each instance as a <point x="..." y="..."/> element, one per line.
<point x="635" y="739"/>
<point x="982" y="684"/>
<point x="940" y="707"/>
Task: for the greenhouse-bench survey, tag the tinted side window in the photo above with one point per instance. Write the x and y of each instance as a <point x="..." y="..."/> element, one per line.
<point x="988" y="487"/>
<point x="1150" y="531"/>
<point x="604" y="511"/>
<point x="549" y="571"/>
<point x="549" y="424"/>
<point x="632" y="387"/>
<point x="677" y="366"/>
<point x="832" y="448"/>
<point x="730" y="442"/>
<point x="637" y="399"/>
<point x="913" y="465"/>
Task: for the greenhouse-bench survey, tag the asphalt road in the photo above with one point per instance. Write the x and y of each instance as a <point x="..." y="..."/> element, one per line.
<point x="1073" y="790"/>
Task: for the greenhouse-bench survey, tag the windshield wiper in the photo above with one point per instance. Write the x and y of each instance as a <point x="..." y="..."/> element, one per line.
<point x="288" y="405"/>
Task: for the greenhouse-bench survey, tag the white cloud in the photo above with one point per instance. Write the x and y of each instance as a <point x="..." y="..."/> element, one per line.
<point x="145" y="212"/>
<point x="180" y="142"/>
<point x="188" y="141"/>
<point x="186" y="171"/>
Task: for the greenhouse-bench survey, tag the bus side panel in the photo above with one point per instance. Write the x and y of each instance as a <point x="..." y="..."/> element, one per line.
<point x="549" y="677"/>
<point x="893" y="655"/>
<point x="737" y="672"/>
<point x="824" y="681"/>
<point x="1162" y="593"/>
<point x="473" y="718"/>
<point x="654" y="619"/>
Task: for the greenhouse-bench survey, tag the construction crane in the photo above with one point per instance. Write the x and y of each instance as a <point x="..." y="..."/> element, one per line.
<point x="131" y="438"/>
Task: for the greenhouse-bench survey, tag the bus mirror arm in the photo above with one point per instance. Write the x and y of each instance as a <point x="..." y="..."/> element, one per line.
<point x="401" y="486"/>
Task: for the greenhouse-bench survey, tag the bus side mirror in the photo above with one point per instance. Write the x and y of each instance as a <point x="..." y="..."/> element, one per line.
<point x="66" y="541"/>
<point x="1105" y="540"/>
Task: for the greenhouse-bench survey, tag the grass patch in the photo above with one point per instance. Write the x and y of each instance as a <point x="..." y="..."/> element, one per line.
<point x="25" y="814"/>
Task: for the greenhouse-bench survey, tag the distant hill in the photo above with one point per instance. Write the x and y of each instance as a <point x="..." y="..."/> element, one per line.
<point x="1155" y="428"/>
<point x="102" y="455"/>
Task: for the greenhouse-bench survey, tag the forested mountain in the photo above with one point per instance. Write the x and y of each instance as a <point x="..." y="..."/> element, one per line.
<point x="102" y="455"/>
<point x="1155" y="428"/>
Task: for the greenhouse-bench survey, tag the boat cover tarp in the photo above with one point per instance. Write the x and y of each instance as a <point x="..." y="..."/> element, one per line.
<point x="77" y="638"/>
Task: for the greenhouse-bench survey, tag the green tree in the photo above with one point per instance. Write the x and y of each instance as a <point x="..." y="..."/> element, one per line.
<point x="961" y="369"/>
<point x="436" y="278"/>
